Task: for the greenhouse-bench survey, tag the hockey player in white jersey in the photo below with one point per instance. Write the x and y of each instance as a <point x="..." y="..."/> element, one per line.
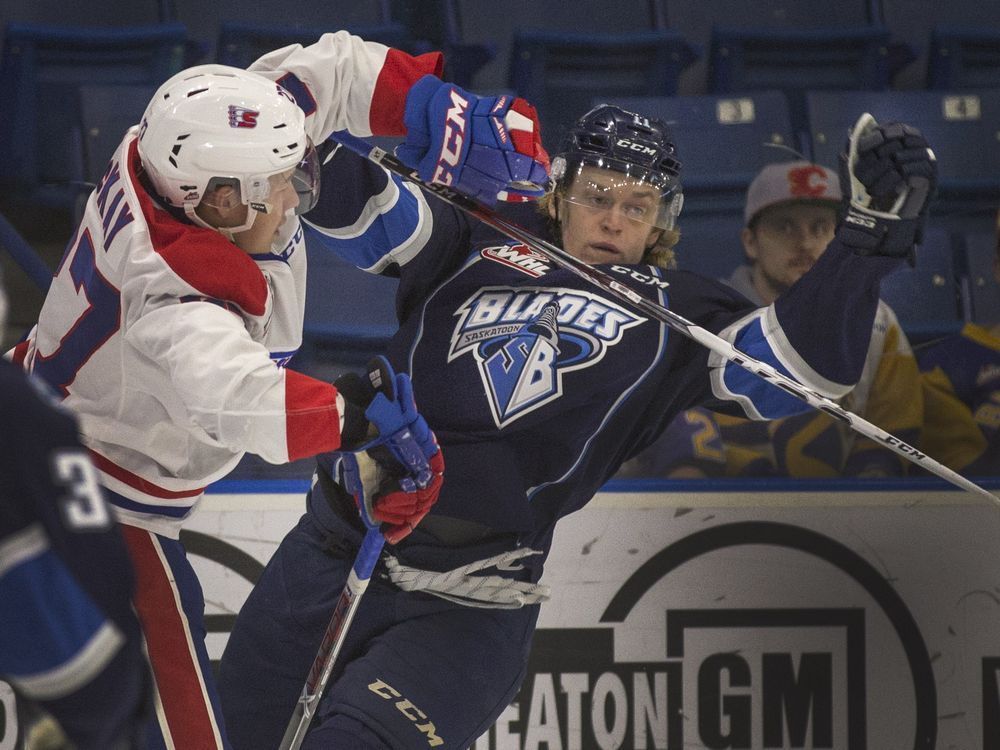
<point x="181" y="297"/>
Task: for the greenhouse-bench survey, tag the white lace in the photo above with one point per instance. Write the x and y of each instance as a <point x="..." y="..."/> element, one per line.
<point x="487" y="592"/>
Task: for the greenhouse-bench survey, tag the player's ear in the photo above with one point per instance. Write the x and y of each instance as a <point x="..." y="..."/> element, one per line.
<point x="553" y="206"/>
<point x="749" y="239"/>
<point x="653" y="238"/>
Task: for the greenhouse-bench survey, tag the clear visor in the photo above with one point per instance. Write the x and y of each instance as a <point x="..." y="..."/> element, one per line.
<point x="265" y="193"/>
<point x="627" y="192"/>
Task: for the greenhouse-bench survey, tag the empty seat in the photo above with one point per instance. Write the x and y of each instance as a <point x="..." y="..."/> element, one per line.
<point x="926" y="297"/>
<point x="983" y="287"/>
<point x="106" y="112"/>
<point x="42" y="72"/>
<point x="722" y="142"/>
<point x="794" y="60"/>
<point x="240" y="42"/>
<point x="963" y="58"/>
<point x="560" y="73"/>
<point x="961" y="128"/>
<point x="710" y="244"/>
<point x="350" y="314"/>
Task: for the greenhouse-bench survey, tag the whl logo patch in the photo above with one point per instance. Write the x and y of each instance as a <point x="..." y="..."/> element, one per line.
<point x="525" y="339"/>
<point x="241" y="117"/>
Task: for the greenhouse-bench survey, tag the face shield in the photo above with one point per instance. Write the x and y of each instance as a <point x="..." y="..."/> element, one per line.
<point x="636" y="193"/>
<point x="263" y="192"/>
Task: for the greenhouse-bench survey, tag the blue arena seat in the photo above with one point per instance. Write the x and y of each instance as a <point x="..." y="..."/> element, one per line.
<point x="926" y="297"/>
<point x="106" y="112"/>
<point x="350" y="314"/>
<point x="722" y="141"/>
<point x="983" y="287"/>
<point x="241" y="42"/>
<point x="308" y="18"/>
<point x="963" y="58"/>
<point x="560" y="73"/>
<point x="710" y="244"/>
<point x="41" y="73"/>
<point x="961" y="128"/>
<point x="793" y="60"/>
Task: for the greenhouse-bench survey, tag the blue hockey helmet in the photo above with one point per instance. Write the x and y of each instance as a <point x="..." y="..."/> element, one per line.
<point x="633" y="145"/>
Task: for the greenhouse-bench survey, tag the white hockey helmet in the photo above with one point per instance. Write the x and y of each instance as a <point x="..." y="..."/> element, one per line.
<point x="214" y="124"/>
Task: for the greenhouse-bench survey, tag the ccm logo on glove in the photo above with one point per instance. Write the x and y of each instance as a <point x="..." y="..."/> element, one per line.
<point x="451" y="149"/>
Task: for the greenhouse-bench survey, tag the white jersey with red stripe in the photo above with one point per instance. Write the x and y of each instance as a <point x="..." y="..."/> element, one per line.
<point x="169" y="341"/>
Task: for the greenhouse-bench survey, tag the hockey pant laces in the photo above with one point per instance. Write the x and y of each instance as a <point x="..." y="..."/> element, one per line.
<point x="457" y="585"/>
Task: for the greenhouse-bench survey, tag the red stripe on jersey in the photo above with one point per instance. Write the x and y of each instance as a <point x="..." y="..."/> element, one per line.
<point x="312" y="422"/>
<point x="203" y="258"/>
<point x="175" y="667"/>
<point x="399" y="72"/>
<point x="136" y="482"/>
<point x="19" y="352"/>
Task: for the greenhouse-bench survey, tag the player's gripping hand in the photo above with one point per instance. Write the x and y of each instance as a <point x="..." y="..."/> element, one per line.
<point x="488" y="148"/>
<point x="396" y="471"/>
<point x="887" y="176"/>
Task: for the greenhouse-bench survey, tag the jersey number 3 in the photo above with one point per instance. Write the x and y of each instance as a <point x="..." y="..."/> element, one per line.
<point x="83" y="508"/>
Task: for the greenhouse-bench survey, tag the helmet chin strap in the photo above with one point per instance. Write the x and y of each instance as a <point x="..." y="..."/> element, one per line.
<point x="227" y="232"/>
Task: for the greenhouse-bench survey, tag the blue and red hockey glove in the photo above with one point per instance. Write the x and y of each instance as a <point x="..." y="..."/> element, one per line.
<point x="486" y="147"/>
<point x="393" y="466"/>
<point x="888" y="176"/>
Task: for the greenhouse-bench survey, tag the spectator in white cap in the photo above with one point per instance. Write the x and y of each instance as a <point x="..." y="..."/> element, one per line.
<point x="789" y="219"/>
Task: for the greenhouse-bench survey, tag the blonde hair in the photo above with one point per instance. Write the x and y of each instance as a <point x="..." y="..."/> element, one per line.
<point x="660" y="254"/>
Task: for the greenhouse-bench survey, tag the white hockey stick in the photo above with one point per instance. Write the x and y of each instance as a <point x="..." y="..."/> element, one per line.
<point x="680" y="324"/>
<point x="333" y="639"/>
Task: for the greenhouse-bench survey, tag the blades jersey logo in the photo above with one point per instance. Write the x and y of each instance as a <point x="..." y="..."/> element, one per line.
<point x="525" y="339"/>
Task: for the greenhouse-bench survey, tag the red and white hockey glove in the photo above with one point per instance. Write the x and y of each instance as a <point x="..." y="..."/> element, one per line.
<point x="486" y="147"/>
<point x="396" y="473"/>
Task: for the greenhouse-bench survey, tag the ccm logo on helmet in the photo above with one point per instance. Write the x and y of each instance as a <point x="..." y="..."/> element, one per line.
<point x="241" y="117"/>
<point x="633" y="146"/>
<point x="454" y="127"/>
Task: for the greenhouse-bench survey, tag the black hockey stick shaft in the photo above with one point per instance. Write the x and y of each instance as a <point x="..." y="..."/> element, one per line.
<point x="682" y="325"/>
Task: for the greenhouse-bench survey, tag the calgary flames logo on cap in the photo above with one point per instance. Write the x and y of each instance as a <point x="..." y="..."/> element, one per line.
<point x="241" y="117"/>
<point x="807" y="182"/>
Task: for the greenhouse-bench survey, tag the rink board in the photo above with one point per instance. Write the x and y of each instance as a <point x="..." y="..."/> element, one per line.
<point x="846" y="620"/>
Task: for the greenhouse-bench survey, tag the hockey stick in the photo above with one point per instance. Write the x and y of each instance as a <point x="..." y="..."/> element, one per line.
<point x="607" y="282"/>
<point x="333" y="639"/>
<point x="407" y="451"/>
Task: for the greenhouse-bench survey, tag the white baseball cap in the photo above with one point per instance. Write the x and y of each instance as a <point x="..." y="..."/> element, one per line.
<point x="793" y="181"/>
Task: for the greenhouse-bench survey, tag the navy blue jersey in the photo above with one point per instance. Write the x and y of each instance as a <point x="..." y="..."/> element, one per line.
<point x="539" y="384"/>
<point x="69" y="638"/>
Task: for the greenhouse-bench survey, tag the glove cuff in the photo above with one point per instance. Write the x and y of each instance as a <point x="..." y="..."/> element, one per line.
<point x="357" y="395"/>
<point x="866" y="234"/>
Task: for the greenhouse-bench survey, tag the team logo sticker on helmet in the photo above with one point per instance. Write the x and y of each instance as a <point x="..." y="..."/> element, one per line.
<point x="526" y="339"/>
<point x="242" y="117"/>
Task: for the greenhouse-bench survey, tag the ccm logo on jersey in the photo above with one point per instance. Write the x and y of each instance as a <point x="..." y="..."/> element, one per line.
<point x="454" y="138"/>
<point x="642" y="278"/>
<point x="633" y="146"/>
<point x="241" y="117"/>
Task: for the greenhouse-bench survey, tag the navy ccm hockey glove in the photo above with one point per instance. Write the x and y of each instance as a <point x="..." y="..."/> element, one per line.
<point x="887" y="176"/>
<point x="389" y="459"/>
<point x="486" y="147"/>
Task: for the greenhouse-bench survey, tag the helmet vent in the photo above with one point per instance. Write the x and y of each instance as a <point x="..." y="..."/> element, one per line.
<point x="196" y="92"/>
<point x="280" y="125"/>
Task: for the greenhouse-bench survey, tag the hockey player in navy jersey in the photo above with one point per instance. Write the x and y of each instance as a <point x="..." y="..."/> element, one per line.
<point x="538" y="385"/>
<point x="181" y="297"/>
<point x="69" y="641"/>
